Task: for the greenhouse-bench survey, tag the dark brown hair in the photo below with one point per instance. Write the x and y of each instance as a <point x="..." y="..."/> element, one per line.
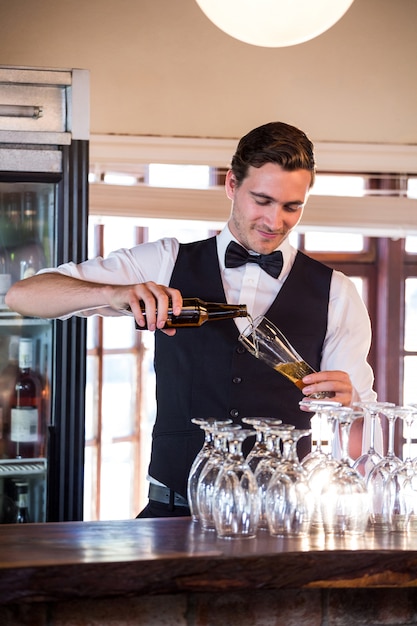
<point x="274" y="142"/>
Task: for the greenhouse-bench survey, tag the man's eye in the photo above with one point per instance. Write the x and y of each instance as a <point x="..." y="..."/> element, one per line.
<point x="262" y="202"/>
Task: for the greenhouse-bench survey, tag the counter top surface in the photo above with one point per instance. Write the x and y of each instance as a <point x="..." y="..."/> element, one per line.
<point x="156" y="556"/>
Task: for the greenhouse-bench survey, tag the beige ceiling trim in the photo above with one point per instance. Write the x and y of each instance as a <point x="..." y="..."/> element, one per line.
<point x="121" y="150"/>
<point x="383" y="216"/>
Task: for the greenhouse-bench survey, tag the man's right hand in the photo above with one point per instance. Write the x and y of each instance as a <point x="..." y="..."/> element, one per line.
<point x="52" y="295"/>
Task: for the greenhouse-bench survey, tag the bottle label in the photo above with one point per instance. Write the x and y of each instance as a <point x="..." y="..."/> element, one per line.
<point x="24" y="424"/>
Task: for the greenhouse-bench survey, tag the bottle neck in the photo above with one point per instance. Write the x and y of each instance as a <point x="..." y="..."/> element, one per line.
<point x="25" y="354"/>
<point x="225" y="311"/>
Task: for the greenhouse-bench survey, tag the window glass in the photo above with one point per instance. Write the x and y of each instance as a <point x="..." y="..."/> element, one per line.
<point x="91" y="335"/>
<point x="183" y="230"/>
<point x="179" y="176"/>
<point x="411" y="244"/>
<point x="410" y="326"/>
<point x="118" y="178"/>
<point x="334" y="185"/>
<point x="333" y="242"/>
<point x="148" y="400"/>
<point x="119" y="395"/>
<point x="91" y="398"/>
<point x="117" y="470"/>
<point x="410" y="369"/>
<point x="360" y="286"/>
<point x="90" y="483"/>
<point x="119" y="233"/>
<point x="118" y="332"/>
<point x="412" y="188"/>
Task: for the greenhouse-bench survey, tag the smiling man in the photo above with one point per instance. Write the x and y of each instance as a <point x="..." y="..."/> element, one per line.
<point x="205" y="372"/>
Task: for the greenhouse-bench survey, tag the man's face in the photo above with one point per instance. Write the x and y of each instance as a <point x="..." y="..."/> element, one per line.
<point x="267" y="205"/>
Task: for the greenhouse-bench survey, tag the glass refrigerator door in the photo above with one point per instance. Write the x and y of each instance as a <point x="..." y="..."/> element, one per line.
<point x="26" y="246"/>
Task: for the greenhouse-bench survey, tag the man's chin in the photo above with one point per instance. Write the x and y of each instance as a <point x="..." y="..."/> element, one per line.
<point x="269" y="245"/>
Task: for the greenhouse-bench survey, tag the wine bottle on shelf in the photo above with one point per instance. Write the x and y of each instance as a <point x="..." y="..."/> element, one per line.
<point x="8" y="377"/>
<point x="26" y="427"/>
<point x="196" y="312"/>
<point x="22" y="502"/>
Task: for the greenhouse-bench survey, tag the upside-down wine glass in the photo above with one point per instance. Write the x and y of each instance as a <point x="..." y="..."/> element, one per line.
<point x="344" y="499"/>
<point x="402" y="483"/>
<point x="208" y="475"/>
<point x="322" y="472"/>
<point x="379" y="483"/>
<point x="209" y="425"/>
<point x="236" y="503"/>
<point x="267" y="466"/>
<point x="289" y="502"/>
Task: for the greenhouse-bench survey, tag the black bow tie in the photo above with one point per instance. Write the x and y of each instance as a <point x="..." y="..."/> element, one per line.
<point x="236" y="256"/>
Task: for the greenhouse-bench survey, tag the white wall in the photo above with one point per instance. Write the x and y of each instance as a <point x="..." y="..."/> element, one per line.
<point x="159" y="67"/>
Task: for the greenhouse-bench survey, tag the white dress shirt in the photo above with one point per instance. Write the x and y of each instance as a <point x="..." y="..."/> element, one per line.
<point x="348" y="336"/>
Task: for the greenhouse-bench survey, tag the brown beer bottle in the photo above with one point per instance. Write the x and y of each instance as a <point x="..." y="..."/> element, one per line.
<point x="196" y="312"/>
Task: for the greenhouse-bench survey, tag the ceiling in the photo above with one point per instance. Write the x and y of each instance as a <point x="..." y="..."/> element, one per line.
<point x="160" y="67"/>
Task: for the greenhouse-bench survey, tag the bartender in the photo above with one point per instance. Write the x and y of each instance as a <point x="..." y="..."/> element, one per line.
<point x="205" y="372"/>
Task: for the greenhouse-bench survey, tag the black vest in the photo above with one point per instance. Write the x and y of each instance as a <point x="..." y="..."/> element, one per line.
<point x="205" y="372"/>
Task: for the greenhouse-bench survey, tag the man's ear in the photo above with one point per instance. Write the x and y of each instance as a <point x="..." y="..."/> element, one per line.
<point x="230" y="184"/>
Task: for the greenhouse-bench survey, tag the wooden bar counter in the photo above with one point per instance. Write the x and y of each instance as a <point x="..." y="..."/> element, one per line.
<point x="59" y="568"/>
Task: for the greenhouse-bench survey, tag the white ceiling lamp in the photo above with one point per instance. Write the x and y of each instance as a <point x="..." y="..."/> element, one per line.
<point x="274" y="23"/>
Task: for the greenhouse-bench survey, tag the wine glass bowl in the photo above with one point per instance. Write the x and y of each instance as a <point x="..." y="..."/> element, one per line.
<point x="289" y="501"/>
<point x="236" y="503"/>
<point x="267" y="466"/>
<point x="344" y="498"/>
<point x="209" y="473"/>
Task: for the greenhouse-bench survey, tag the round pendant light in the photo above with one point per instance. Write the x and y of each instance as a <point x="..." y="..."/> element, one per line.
<point x="274" y="23"/>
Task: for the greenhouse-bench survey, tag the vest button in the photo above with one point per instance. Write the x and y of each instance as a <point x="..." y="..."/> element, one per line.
<point x="236" y="380"/>
<point x="240" y="349"/>
<point x="234" y="413"/>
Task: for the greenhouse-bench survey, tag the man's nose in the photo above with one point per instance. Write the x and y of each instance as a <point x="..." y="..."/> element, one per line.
<point x="275" y="217"/>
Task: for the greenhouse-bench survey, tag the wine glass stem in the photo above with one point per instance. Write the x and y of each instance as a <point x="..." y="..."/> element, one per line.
<point x="372" y="433"/>
<point x="286" y="448"/>
<point x="319" y="429"/>
<point x="345" y="428"/>
<point x="408" y="439"/>
<point x="391" y="435"/>
<point x="332" y="433"/>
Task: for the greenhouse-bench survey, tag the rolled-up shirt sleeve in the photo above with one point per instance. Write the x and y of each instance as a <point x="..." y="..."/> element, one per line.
<point x="127" y="266"/>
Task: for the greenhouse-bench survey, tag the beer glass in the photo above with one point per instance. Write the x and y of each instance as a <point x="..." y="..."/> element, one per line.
<point x="267" y="343"/>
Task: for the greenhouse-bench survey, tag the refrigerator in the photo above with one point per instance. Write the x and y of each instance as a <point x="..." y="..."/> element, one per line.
<point x="44" y="143"/>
